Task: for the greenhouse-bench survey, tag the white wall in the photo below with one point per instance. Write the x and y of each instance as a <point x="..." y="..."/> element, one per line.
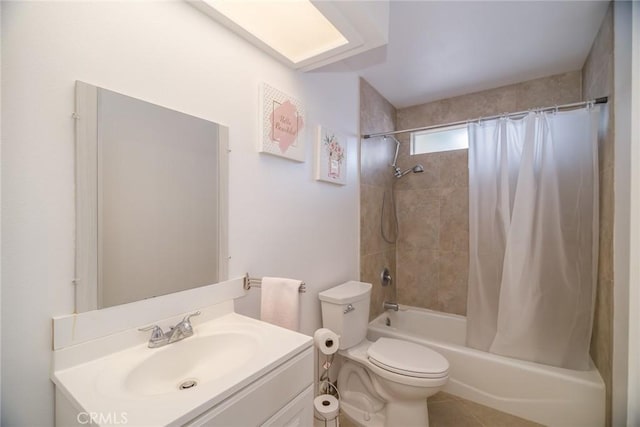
<point x="0" y="220"/>
<point x="633" y="398"/>
<point x="282" y="222"/>
<point x="626" y="219"/>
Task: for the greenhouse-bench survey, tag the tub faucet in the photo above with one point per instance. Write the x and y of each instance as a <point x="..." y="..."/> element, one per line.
<point x="182" y="330"/>
<point x="390" y="306"/>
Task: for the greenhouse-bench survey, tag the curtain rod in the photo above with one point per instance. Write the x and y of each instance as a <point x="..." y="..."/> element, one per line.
<point x="602" y="100"/>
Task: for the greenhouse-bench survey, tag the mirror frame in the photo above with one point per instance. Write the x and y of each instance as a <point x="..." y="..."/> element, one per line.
<point x="86" y="245"/>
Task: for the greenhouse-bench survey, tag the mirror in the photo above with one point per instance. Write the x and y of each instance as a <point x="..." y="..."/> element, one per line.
<point x="151" y="200"/>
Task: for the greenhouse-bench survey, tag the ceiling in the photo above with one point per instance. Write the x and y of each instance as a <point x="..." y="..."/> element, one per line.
<point x="441" y="49"/>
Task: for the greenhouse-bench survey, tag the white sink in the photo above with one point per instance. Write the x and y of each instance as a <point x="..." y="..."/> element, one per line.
<point x="225" y="354"/>
<point x="190" y="363"/>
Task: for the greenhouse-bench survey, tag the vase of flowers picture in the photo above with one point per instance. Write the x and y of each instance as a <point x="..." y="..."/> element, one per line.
<point x="335" y="155"/>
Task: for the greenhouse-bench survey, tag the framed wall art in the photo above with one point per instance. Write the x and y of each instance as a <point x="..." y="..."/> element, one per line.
<point x="331" y="156"/>
<point x="282" y="123"/>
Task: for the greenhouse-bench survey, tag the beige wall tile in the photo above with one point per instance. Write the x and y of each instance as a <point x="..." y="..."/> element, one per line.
<point x="419" y="214"/>
<point x="596" y="73"/>
<point x="597" y="81"/>
<point x="371" y="198"/>
<point x="605" y="264"/>
<point x="598" y="76"/>
<point x="453" y="275"/>
<point x="559" y="89"/>
<point x="465" y="107"/>
<point x="417" y="274"/>
<point x="430" y="178"/>
<point x="429" y="114"/>
<point x="606" y="135"/>
<point x="376" y="154"/>
<point x="601" y="339"/>
<point x="454" y="169"/>
<point x="454" y="219"/>
<point x="376" y="113"/>
<point x="370" y="268"/>
<point x="481" y="104"/>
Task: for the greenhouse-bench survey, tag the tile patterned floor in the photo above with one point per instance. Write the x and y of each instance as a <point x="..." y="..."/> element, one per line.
<point x="446" y="410"/>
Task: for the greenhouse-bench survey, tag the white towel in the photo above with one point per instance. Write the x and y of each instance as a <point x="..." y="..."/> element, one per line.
<point x="280" y="302"/>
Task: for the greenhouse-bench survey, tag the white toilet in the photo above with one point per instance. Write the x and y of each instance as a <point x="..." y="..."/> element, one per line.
<point x="384" y="383"/>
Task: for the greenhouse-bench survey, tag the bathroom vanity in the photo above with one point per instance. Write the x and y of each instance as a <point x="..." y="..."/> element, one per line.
<point x="234" y="370"/>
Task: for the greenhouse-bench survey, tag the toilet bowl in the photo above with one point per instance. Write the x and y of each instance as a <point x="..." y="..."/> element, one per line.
<point x="381" y="383"/>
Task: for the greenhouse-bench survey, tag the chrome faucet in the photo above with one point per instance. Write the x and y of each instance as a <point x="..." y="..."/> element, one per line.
<point x="390" y="306"/>
<point x="182" y="330"/>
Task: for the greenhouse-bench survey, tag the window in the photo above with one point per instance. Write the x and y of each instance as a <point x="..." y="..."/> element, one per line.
<point x="442" y="139"/>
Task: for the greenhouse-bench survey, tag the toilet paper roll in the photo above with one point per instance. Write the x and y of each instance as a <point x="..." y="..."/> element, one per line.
<point x="326" y="406"/>
<point x="326" y="340"/>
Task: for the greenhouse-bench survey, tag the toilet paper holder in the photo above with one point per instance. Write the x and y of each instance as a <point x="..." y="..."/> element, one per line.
<point x="323" y="390"/>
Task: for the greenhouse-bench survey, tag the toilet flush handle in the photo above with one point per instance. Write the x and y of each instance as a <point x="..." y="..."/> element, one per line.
<point x="349" y="308"/>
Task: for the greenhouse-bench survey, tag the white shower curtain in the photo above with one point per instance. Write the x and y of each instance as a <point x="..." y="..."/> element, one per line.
<point x="533" y="236"/>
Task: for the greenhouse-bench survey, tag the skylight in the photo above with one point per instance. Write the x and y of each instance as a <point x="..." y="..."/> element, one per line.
<point x="295" y="29"/>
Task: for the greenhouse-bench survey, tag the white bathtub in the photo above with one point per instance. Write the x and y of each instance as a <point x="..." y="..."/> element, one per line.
<point x="545" y="394"/>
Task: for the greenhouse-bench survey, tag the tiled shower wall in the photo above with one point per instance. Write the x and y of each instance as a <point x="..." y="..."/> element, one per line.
<point x="433" y="207"/>
<point x="597" y="81"/>
<point x="376" y="154"/>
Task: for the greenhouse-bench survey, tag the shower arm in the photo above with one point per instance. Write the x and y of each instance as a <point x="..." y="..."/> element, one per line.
<point x="401" y="174"/>
<point x="395" y="157"/>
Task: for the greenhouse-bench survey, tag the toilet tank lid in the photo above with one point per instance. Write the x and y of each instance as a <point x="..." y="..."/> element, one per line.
<point x="346" y="293"/>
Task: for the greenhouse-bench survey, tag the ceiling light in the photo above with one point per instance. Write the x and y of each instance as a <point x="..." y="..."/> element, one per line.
<point x="295" y="29"/>
<point x="303" y="34"/>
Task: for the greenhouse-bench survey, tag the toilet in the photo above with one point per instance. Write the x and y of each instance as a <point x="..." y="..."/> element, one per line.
<point x="383" y="383"/>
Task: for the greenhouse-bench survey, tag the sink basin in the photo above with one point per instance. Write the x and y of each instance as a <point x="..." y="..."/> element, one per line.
<point x="194" y="361"/>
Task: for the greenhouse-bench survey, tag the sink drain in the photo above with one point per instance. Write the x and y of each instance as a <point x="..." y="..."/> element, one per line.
<point x="185" y="385"/>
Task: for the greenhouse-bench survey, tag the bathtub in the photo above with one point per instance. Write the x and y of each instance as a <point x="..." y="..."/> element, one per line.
<point x="544" y="394"/>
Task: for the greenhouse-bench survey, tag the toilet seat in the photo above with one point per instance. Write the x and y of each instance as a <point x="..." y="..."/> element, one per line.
<point x="407" y="359"/>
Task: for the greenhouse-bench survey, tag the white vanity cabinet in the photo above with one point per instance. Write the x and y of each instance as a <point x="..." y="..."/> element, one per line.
<point x="283" y="397"/>
<point x="248" y="373"/>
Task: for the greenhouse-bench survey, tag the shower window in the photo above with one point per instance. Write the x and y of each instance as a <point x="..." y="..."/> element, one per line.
<point x="441" y="139"/>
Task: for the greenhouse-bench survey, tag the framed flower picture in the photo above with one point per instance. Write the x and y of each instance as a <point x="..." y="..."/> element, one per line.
<point x="282" y="121"/>
<point x="331" y="157"/>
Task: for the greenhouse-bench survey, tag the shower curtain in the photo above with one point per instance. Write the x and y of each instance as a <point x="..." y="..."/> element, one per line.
<point x="533" y="236"/>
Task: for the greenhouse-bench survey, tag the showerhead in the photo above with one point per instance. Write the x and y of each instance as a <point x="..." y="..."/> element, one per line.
<point x="416" y="169"/>
<point x="396" y="170"/>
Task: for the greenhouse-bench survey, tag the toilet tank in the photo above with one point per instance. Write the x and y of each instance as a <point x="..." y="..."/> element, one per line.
<point x="345" y="310"/>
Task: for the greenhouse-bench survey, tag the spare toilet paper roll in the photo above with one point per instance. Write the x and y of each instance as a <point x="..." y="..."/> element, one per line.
<point x="326" y="406"/>
<point x="326" y="340"/>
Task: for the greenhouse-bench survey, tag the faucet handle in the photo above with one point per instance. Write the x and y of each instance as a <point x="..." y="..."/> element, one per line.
<point x="157" y="333"/>
<point x="185" y="326"/>
<point x="189" y="316"/>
